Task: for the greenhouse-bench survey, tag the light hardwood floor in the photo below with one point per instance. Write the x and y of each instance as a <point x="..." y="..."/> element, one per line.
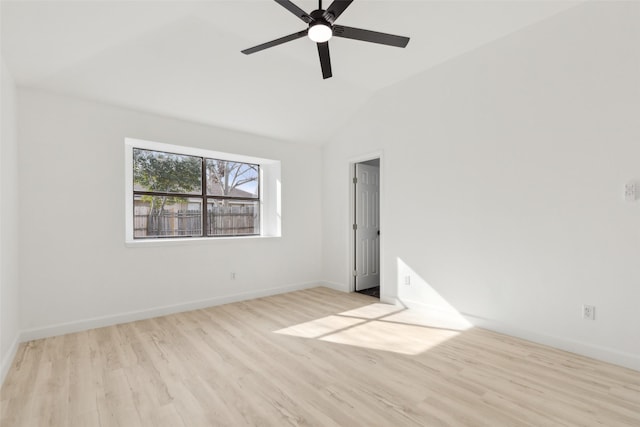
<point x="314" y="357"/>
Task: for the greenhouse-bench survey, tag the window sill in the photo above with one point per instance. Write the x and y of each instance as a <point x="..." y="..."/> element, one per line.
<point x="190" y="241"/>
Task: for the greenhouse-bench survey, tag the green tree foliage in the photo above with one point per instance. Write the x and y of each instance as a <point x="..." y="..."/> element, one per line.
<point x="167" y="173"/>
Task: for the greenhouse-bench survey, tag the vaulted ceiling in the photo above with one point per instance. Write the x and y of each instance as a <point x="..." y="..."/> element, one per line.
<point x="182" y="59"/>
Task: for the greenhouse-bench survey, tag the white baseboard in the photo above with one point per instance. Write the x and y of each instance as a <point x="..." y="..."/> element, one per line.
<point x="386" y="299"/>
<point x="419" y="305"/>
<point x="604" y="354"/>
<point x="337" y="286"/>
<point x="99" y="322"/>
<point x="7" y="359"/>
<point x="609" y="355"/>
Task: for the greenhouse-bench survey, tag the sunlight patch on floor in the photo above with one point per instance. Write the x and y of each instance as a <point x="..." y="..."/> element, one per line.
<point x="432" y="319"/>
<point x="395" y="337"/>
<point x="373" y="311"/>
<point x="320" y="327"/>
<point x="380" y="327"/>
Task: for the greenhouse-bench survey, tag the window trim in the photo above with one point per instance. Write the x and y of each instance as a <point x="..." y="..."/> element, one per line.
<point x="268" y="198"/>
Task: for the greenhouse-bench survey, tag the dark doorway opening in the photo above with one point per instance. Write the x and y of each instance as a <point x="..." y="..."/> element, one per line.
<point x="372" y="292"/>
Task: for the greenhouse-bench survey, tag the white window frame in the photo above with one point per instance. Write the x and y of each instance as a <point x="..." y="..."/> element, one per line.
<point x="270" y="192"/>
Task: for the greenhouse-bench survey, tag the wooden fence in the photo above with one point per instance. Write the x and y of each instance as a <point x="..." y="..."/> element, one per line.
<point x="222" y="220"/>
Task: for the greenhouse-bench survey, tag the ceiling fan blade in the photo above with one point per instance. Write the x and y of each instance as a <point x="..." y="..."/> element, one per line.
<point x="369" y="36"/>
<point x="325" y="61"/>
<point x="276" y="42"/>
<point x="295" y="10"/>
<point x="335" y="9"/>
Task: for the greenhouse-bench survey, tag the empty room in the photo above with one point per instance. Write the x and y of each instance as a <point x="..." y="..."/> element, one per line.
<point x="319" y="213"/>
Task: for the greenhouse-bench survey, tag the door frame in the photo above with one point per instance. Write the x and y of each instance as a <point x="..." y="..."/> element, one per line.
<point x="351" y="217"/>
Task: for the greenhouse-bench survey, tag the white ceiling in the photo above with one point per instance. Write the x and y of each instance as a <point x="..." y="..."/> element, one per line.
<point x="182" y="59"/>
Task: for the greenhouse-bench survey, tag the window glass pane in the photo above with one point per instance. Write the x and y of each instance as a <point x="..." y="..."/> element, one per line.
<point x="166" y="172"/>
<point x="233" y="217"/>
<point x="233" y="179"/>
<point x="162" y="216"/>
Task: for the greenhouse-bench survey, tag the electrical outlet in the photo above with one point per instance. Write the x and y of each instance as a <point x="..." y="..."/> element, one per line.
<point x="589" y="312"/>
<point x="233" y="276"/>
<point x="407" y="280"/>
<point x="630" y="192"/>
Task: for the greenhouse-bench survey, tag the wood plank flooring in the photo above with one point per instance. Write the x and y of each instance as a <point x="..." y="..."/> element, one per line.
<point x="312" y="358"/>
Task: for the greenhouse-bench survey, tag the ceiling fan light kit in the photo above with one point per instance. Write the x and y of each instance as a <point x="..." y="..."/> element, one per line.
<point x="320" y="32"/>
<point x="321" y="29"/>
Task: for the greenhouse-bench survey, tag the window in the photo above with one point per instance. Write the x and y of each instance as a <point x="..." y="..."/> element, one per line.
<point x="170" y="191"/>
<point x="175" y="192"/>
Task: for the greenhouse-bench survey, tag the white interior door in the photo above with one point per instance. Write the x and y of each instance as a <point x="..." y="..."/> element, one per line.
<point x="367" y="226"/>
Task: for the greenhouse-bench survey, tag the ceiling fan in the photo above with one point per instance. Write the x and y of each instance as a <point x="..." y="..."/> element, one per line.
<point x="322" y="27"/>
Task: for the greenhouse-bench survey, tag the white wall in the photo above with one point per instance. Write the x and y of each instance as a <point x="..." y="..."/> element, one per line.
<point x="74" y="263"/>
<point x="9" y="297"/>
<point x="503" y="176"/>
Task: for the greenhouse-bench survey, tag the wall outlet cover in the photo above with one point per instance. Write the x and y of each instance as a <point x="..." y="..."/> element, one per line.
<point x="631" y="191"/>
<point x="589" y="312"/>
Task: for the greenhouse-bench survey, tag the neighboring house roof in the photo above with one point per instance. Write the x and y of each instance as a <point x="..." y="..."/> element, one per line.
<point x="216" y="190"/>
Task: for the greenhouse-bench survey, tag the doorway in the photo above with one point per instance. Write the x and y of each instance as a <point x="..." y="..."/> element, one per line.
<point x="366" y="227"/>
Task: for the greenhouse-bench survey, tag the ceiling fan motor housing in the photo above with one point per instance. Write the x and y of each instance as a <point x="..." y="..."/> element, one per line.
<point x="320" y="29"/>
<point x="321" y="17"/>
